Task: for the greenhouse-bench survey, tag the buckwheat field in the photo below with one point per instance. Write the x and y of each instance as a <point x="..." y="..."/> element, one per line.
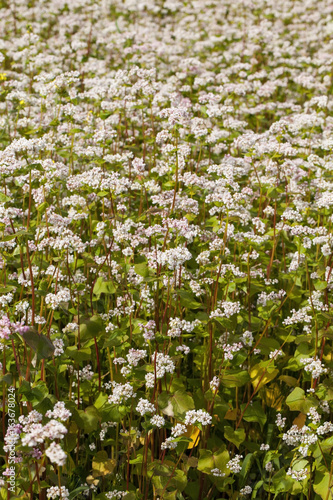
<point x="166" y="249"/>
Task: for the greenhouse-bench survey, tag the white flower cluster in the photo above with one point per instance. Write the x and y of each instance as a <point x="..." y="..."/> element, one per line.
<point x="34" y="433"/>
<point x="265" y="297"/>
<point x="214" y="384"/>
<point x="299" y="475"/>
<point x="55" y="299"/>
<point x="300" y="316"/>
<point x="226" y="309"/>
<point x="135" y="355"/>
<point x="326" y="428"/>
<point x="234" y="464"/>
<point x="276" y="353"/>
<point x="197" y="417"/>
<point x="121" y="393"/>
<point x="183" y="348"/>
<point x="169" y="443"/>
<point x="247" y="490"/>
<point x="280" y="422"/>
<point x="158" y="421"/>
<point x="163" y="363"/>
<point x="313" y="366"/>
<point x="217" y="472"/>
<point x="55" y="492"/>
<point x="178" y="430"/>
<point x="148" y="330"/>
<point x="56" y="454"/>
<point x="177" y="326"/>
<point x="58" y="347"/>
<point x="247" y="338"/>
<point x="173" y="258"/>
<point x="86" y="373"/>
<point x="115" y="494"/>
<point x="314" y="415"/>
<point x="230" y="350"/>
<point x="144" y="406"/>
<point x="303" y="436"/>
<point x="59" y="411"/>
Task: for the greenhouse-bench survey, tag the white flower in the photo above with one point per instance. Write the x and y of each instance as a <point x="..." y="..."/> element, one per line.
<point x="54" y="492"/>
<point x="226" y="309"/>
<point x="280" y="422"/>
<point x="56" y="454"/>
<point x="325" y="428"/>
<point x="234" y="464"/>
<point x="197" y="417"/>
<point x="247" y="490"/>
<point x="314" y="415"/>
<point x="214" y="384"/>
<point x="178" y="430"/>
<point x="299" y="475"/>
<point x="247" y="338"/>
<point x="135" y="355"/>
<point x="217" y="473"/>
<point x="54" y="430"/>
<point x="115" y="494"/>
<point x="59" y="347"/>
<point x="59" y="411"/>
<point x="313" y="366"/>
<point x="169" y="443"/>
<point x="158" y="421"/>
<point x="144" y="406"/>
<point x="121" y="393"/>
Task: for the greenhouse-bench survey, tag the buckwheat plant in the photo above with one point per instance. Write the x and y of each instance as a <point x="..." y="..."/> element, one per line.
<point x="166" y="249"/>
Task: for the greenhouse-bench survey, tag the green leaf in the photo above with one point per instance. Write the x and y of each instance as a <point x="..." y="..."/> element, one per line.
<point x="297" y="401"/>
<point x="41" y="344"/>
<point x="4" y="198"/>
<point x="257" y="487"/>
<point x="102" y="286"/>
<point x="142" y="269"/>
<point x="44" y="404"/>
<point x="209" y="460"/>
<point x="91" y="328"/>
<point x="179" y="480"/>
<point x="114" y="340"/>
<point x="181" y="403"/>
<point x="323" y="484"/>
<point x="83" y="354"/>
<point x="177" y="404"/>
<point x="263" y="373"/>
<point x="101" y="400"/>
<point x="7" y="289"/>
<point x="76" y="492"/>
<point x="235" y="378"/>
<point x="42" y="207"/>
<point x="320" y="285"/>
<point x="255" y="413"/>
<point x="16" y="235"/>
<point x="188" y="300"/>
<point x="246" y="467"/>
<point x="235" y="436"/>
<point x="88" y="419"/>
<point x="281" y="482"/>
<point x="102" y="465"/>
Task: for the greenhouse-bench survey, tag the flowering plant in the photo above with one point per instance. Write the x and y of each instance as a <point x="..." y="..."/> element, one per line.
<point x="166" y="249"/>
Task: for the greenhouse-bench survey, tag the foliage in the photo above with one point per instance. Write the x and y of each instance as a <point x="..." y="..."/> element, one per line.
<point x="166" y="250"/>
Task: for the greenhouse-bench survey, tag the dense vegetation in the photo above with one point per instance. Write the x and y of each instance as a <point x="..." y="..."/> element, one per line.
<point x="166" y="255"/>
